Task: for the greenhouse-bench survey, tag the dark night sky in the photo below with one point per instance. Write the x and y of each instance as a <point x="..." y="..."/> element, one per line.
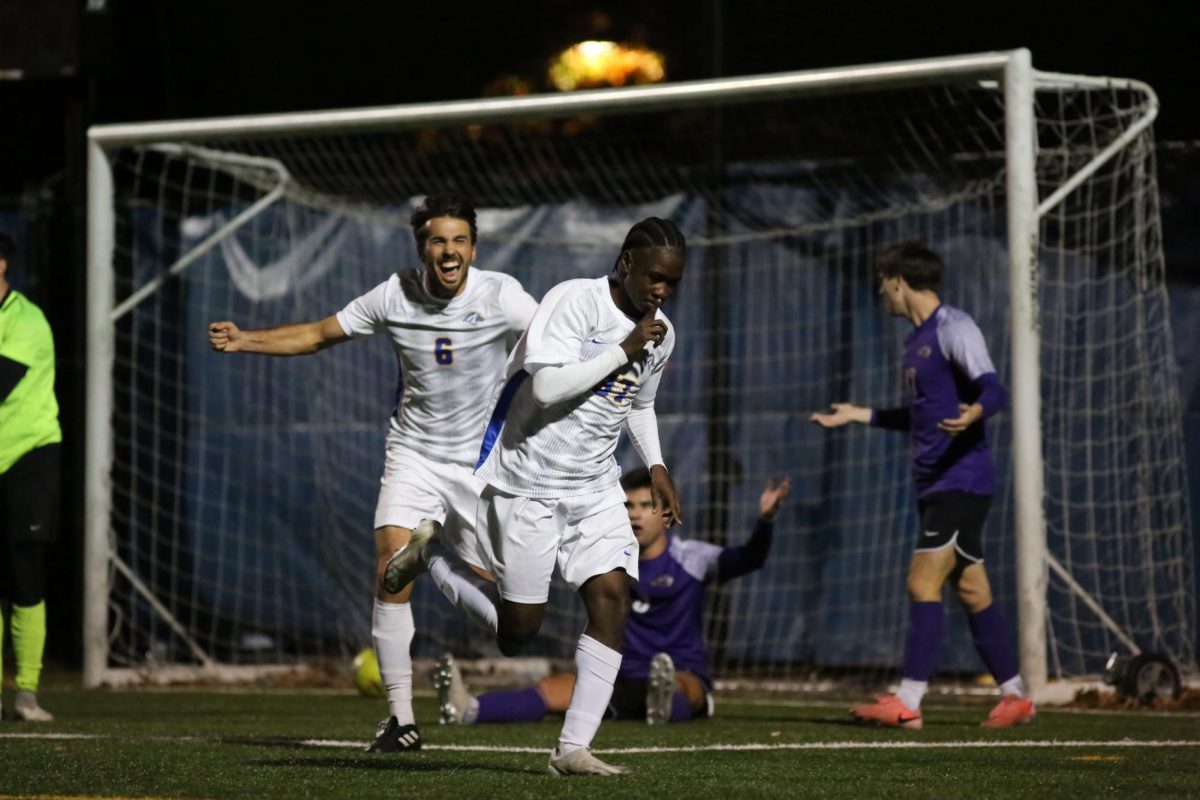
<point x="195" y="58"/>
<point x="189" y="58"/>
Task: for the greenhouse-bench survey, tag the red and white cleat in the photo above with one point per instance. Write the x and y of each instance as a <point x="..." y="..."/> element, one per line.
<point x="1011" y="710"/>
<point x="889" y="711"/>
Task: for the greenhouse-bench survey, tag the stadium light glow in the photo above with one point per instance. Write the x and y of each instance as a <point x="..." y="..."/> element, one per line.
<point x="595" y="64"/>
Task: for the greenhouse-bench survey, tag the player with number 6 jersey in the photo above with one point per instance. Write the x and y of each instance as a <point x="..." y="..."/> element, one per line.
<point x="451" y="326"/>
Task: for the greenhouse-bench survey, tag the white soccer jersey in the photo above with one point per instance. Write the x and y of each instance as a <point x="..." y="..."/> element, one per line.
<point x="451" y="357"/>
<point x="567" y="449"/>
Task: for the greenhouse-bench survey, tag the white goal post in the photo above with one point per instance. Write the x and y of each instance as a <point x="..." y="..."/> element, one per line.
<point x="1033" y="194"/>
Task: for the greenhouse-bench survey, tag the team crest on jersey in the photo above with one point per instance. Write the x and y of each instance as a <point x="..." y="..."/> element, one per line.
<point x="473" y="318"/>
<point x="640" y="606"/>
<point x="924" y="351"/>
<point x="663" y="582"/>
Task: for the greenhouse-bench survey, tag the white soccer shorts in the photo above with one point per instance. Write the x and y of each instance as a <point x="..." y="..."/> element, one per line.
<point x="522" y="538"/>
<point x="415" y="487"/>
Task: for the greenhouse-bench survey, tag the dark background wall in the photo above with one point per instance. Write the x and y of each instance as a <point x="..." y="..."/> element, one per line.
<point x="65" y="64"/>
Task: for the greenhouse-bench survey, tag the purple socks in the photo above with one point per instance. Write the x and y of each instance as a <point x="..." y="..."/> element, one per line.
<point x="522" y="705"/>
<point x="990" y="632"/>
<point x="924" y="636"/>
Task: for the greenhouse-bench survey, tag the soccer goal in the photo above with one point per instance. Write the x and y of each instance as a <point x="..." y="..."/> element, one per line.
<point x="230" y="499"/>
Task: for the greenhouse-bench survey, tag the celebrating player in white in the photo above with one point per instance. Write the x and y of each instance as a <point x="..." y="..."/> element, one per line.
<point x="451" y="326"/>
<point x="589" y="365"/>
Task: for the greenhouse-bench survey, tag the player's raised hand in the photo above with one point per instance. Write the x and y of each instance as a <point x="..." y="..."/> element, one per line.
<point x="842" y="414"/>
<point x="968" y="415"/>
<point x="224" y="336"/>
<point x="773" y="495"/>
<point x="647" y="331"/>
<point x="666" y="499"/>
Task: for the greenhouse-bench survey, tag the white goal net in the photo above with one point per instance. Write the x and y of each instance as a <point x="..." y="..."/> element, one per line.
<point x="234" y="496"/>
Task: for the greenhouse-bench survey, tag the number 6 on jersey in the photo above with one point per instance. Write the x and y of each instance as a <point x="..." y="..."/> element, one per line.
<point x="443" y="351"/>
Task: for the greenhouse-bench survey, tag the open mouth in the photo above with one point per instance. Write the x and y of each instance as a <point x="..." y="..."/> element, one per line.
<point x="450" y="270"/>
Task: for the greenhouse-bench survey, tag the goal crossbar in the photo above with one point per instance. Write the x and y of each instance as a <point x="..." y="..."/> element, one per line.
<point x="981" y="66"/>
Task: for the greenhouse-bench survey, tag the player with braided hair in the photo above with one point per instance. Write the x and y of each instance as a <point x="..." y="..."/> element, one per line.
<point x="589" y="364"/>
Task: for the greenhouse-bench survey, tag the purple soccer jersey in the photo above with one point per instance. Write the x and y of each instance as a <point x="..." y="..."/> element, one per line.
<point x="946" y="362"/>
<point x="668" y="608"/>
<point x="668" y="599"/>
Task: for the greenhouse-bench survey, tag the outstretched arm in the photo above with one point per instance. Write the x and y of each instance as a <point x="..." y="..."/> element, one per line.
<point x="285" y="340"/>
<point x="736" y="561"/>
<point x="894" y="419"/>
<point x="842" y="414"/>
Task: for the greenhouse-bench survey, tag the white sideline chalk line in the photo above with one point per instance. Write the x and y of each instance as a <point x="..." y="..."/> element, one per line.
<point x="725" y="702"/>
<point x="703" y="748"/>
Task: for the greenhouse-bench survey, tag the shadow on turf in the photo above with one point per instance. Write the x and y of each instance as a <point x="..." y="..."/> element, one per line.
<point x="377" y="761"/>
<point x="397" y="763"/>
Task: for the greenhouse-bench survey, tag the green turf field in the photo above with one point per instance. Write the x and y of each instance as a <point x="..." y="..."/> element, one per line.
<point x="308" y="744"/>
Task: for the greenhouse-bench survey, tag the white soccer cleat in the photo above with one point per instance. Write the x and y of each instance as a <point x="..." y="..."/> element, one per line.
<point x="660" y="688"/>
<point x="582" y="762"/>
<point x="406" y="563"/>
<point x="26" y="707"/>
<point x="455" y="703"/>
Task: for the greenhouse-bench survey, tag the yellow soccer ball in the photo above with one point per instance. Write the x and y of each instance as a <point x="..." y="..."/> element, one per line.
<point x="367" y="679"/>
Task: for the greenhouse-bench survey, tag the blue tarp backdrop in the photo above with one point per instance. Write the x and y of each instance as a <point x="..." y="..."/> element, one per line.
<point x="281" y="468"/>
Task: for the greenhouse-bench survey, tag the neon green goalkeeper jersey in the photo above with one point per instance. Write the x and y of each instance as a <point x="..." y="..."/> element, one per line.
<point x="29" y="415"/>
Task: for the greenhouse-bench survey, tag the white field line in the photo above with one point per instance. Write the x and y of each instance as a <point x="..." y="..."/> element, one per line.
<point x="704" y="748"/>
<point x="725" y="702"/>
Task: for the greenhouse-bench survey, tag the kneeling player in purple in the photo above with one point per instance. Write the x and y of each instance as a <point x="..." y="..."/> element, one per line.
<point x="954" y="389"/>
<point x="665" y="675"/>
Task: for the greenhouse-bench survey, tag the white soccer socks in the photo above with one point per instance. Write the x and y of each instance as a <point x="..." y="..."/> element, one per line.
<point x="476" y="597"/>
<point x="912" y="692"/>
<point x="596" y="669"/>
<point x="392" y="628"/>
<point x="1014" y="685"/>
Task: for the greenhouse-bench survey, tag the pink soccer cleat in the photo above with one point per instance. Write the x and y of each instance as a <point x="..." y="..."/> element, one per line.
<point x="1011" y="710"/>
<point x="889" y="711"/>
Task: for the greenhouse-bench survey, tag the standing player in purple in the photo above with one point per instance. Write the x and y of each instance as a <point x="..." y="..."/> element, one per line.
<point x="664" y="674"/>
<point x="954" y="389"/>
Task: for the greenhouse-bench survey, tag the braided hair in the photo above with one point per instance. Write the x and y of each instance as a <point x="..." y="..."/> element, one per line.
<point x="651" y="232"/>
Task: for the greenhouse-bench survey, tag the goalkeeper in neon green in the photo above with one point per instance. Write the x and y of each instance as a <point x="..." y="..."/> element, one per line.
<point x="29" y="479"/>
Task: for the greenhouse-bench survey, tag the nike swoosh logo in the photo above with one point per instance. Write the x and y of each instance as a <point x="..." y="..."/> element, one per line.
<point x="597" y="341"/>
<point x="628" y="553"/>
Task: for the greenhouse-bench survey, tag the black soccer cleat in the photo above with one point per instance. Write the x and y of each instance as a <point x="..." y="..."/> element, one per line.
<point x="392" y="737"/>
